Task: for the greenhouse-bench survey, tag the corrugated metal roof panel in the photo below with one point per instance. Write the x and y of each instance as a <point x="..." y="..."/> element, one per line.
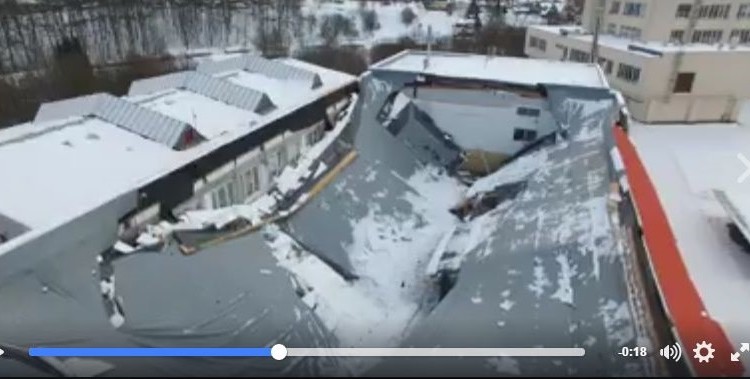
<point x="144" y="122"/>
<point x="260" y="65"/>
<point x="206" y="85"/>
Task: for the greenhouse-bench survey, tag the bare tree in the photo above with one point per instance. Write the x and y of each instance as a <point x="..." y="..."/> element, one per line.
<point x="370" y="21"/>
<point x="335" y="25"/>
<point x="408" y="16"/>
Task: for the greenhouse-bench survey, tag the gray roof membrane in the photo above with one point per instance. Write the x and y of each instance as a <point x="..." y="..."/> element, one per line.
<point x="206" y="85"/>
<point x="376" y="182"/>
<point x="549" y="273"/>
<point x="131" y="117"/>
<point x="271" y="68"/>
<point x="229" y="295"/>
<point x="10" y="228"/>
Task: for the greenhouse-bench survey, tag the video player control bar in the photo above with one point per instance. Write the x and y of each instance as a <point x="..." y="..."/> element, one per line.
<point x="280" y="352"/>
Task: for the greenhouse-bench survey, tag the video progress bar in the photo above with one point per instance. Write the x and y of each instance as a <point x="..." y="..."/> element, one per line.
<point x="436" y="352"/>
<point x="280" y="352"/>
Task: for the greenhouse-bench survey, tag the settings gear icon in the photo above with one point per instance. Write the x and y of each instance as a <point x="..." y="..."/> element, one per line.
<point x="704" y="352"/>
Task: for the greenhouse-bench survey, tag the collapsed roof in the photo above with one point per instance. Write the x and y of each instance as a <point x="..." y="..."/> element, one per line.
<point x="356" y="265"/>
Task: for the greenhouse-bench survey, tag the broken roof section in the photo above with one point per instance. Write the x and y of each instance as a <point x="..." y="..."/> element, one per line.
<point x="143" y="122"/>
<point x="221" y="90"/>
<point x="271" y="68"/>
<point x="230" y="295"/>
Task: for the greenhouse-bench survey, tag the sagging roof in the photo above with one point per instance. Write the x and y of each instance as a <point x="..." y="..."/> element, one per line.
<point x="271" y="68"/>
<point x="143" y="122"/>
<point x="217" y="89"/>
<point x="232" y="294"/>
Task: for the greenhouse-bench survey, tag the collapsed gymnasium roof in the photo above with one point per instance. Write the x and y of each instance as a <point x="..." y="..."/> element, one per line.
<point x="356" y="264"/>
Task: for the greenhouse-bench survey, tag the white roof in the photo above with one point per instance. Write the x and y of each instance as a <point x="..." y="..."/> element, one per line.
<point x="57" y="174"/>
<point x="686" y="164"/>
<point x="621" y="43"/>
<point x="504" y="69"/>
<point x="209" y="117"/>
<point x="94" y="171"/>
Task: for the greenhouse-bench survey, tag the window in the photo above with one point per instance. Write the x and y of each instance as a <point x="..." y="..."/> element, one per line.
<point x="634" y="9"/>
<point x="714" y="11"/>
<point x="251" y="178"/>
<point x="281" y="157"/>
<point x="222" y="196"/>
<point x="579" y="56"/>
<point x="684" y="83"/>
<point x="740" y="36"/>
<point x="707" y="36"/>
<point x="531" y="112"/>
<point x="744" y="11"/>
<point x="628" y="73"/>
<point x="538" y="43"/>
<point x="614" y="8"/>
<point x="606" y="65"/>
<point x="315" y="134"/>
<point x="526" y="135"/>
<point x="676" y="36"/>
<point x="683" y="10"/>
<point x="630" y="32"/>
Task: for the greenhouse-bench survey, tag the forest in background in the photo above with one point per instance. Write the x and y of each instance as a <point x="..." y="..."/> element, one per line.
<point x="56" y="49"/>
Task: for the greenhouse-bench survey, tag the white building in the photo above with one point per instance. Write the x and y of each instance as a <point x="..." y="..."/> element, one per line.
<point x="674" y="60"/>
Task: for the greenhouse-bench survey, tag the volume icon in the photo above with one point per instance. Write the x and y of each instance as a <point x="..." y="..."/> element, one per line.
<point x="673" y="352"/>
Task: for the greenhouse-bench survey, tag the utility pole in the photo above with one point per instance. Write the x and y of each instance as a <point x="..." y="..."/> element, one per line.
<point x="598" y="15"/>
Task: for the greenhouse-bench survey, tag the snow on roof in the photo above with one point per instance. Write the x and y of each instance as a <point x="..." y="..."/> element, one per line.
<point x="270" y="68"/>
<point x="57" y="174"/>
<point x="106" y="170"/>
<point x="502" y="69"/>
<point x="151" y="125"/>
<point x="621" y="43"/>
<point x="686" y="163"/>
<point x="210" y="117"/>
<point x="206" y="85"/>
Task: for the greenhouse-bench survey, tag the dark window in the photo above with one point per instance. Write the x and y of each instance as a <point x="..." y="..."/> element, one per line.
<point x="614" y="8"/>
<point x="684" y="83"/>
<point x="634" y="9"/>
<point x="527" y="135"/>
<point x="683" y="10"/>
<point x="714" y="11"/>
<point x="628" y="73"/>
<point x="740" y="36"/>
<point x="523" y="111"/>
<point x="676" y="36"/>
<point x="579" y="56"/>
<point x="707" y="36"/>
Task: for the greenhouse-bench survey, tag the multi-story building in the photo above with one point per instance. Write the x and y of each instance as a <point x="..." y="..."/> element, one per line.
<point x="673" y="60"/>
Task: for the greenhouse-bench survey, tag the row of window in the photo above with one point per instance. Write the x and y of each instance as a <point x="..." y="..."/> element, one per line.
<point x="741" y="36"/>
<point x="714" y="11"/>
<point x="539" y="43"/>
<point x="629" y="32"/>
<point x="629" y="8"/>
<point x="248" y="182"/>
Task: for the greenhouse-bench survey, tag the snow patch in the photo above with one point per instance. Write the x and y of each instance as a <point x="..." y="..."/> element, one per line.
<point x="564" y="291"/>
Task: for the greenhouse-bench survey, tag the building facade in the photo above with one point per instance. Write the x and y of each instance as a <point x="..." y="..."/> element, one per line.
<point x="673" y="60"/>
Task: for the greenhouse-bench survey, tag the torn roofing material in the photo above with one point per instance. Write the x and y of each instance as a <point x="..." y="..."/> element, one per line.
<point x="230" y="295"/>
<point x="375" y="187"/>
<point x="146" y="123"/>
<point x="270" y="68"/>
<point x="217" y="89"/>
<point x="544" y="268"/>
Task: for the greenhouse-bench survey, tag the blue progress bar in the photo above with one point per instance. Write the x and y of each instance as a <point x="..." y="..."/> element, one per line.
<point x="150" y="351"/>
